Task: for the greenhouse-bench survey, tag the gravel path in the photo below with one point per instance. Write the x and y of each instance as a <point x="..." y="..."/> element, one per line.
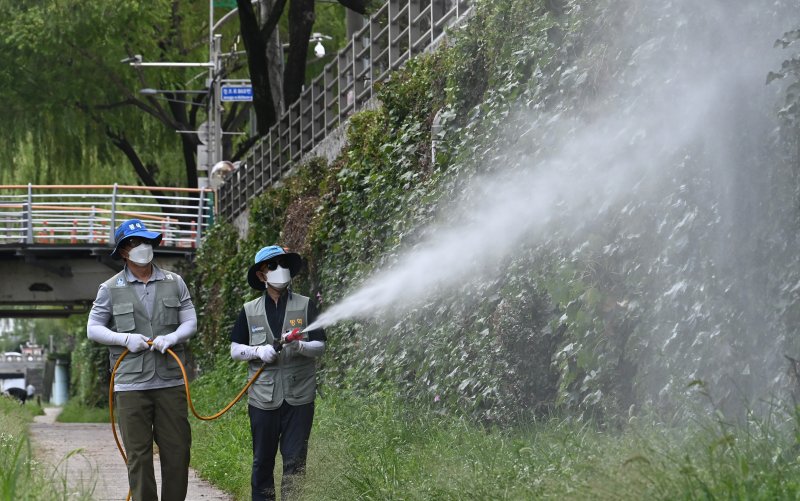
<point x="88" y="456"/>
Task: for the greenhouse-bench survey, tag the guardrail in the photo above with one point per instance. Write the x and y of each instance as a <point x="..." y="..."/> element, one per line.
<point x="398" y="31"/>
<point x="78" y="214"/>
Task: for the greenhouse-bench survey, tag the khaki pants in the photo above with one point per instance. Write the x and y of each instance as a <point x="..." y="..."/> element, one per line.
<point x="161" y="416"/>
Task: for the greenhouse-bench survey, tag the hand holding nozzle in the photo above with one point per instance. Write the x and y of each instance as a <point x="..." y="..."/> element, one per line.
<point x="287" y="338"/>
<point x="266" y="353"/>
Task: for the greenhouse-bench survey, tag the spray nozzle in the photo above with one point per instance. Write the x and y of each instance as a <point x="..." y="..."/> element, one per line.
<point x="288" y="337"/>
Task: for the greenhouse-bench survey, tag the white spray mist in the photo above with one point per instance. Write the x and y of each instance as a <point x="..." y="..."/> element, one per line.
<point x="626" y="150"/>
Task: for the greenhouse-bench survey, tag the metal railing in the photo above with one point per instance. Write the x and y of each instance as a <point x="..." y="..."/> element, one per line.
<point x="398" y="31"/>
<point x="88" y="215"/>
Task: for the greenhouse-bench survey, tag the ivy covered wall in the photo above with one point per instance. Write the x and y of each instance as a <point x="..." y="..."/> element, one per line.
<point x="634" y="307"/>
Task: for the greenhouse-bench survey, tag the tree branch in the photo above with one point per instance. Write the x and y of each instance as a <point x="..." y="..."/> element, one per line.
<point x="359" y="6"/>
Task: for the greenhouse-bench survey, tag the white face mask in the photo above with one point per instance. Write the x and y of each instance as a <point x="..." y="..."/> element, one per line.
<point x="141" y="254"/>
<point x="279" y="278"/>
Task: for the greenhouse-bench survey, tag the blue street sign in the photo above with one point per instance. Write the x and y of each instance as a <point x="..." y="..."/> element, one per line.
<point x="237" y="93"/>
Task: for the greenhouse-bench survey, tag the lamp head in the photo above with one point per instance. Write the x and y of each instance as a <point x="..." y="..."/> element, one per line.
<point x="319" y="49"/>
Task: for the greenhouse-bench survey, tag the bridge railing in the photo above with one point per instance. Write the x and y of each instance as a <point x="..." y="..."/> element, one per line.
<point x="398" y="31"/>
<point x="78" y="214"/>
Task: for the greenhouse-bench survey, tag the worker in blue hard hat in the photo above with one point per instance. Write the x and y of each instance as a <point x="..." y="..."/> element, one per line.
<point x="140" y="304"/>
<point x="268" y="332"/>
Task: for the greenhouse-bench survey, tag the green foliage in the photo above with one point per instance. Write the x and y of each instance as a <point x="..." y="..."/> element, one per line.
<point x="62" y="332"/>
<point x="330" y="21"/>
<point x="89" y="374"/>
<point x="217" y="292"/>
<point x="21" y="476"/>
<point x="219" y="279"/>
<point x="574" y="322"/>
<point x="378" y="447"/>
<point x="75" y="412"/>
<point x="221" y="449"/>
<point x="66" y="90"/>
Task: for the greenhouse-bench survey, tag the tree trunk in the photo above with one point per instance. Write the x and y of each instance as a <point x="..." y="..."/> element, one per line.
<point x="188" y="141"/>
<point x="301" y="22"/>
<point x="265" y="55"/>
<point x="359" y="6"/>
<point x="142" y="171"/>
<point x="274" y="57"/>
<point x="255" y="43"/>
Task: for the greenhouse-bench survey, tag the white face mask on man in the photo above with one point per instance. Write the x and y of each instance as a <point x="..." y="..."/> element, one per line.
<point x="279" y="278"/>
<point x="141" y="254"/>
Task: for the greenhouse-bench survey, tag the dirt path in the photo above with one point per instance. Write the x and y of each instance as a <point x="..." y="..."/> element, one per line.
<point x="97" y="462"/>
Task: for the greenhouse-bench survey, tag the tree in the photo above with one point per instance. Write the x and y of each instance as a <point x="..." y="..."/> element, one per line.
<point x="74" y="109"/>
<point x="74" y="113"/>
<point x="256" y="35"/>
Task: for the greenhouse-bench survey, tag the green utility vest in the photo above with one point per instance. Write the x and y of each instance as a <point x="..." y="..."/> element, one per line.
<point x="130" y="316"/>
<point x="290" y="378"/>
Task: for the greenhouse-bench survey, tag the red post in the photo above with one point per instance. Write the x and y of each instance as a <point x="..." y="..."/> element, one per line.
<point x="74" y="233"/>
<point x="46" y="234"/>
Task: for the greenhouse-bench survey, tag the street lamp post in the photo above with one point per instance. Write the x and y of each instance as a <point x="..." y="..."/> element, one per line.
<point x="215" y="155"/>
<point x="210" y="154"/>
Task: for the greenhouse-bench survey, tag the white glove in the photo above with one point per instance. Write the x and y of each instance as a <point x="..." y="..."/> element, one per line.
<point x="294" y="348"/>
<point x="161" y="343"/>
<point x="136" y="343"/>
<point x="266" y="353"/>
<point x="291" y="348"/>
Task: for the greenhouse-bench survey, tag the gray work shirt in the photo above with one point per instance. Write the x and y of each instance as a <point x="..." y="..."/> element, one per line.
<point x="146" y="292"/>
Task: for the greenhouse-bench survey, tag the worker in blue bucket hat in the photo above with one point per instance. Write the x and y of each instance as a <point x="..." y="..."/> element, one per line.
<point x="140" y="304"/>
<point x="269" y="332"/>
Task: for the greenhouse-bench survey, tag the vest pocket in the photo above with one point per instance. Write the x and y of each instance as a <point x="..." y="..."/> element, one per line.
<point x="263" y="388"/>
<point x="258" y="330"/>
<point x="131" y="364"/>
<point x="170" y="311"/>
<point x="123" y="318"/>
<point x="302" y="383"/>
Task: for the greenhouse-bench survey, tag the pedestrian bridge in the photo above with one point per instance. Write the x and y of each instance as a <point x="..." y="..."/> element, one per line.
<point x="17" y="365"/>
<point x="56" y="240"/>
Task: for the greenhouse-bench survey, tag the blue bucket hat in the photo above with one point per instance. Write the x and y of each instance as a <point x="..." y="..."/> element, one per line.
<point x="133" y="228"/>
<point x="267" y="253"/>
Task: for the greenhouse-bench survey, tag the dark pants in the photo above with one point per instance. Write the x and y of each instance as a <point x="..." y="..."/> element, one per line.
<point x="161" y="416"/>
<point x="290" y="427"/>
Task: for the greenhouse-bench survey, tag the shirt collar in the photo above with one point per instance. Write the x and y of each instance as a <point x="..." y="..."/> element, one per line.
<point x="157" y="274"/>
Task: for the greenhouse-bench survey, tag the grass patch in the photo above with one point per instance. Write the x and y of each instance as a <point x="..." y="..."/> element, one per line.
<point x="74" y="412"/>
<point x="21" y="476"/>
<point x="221" y="449"/>
<point x="376" y="447"/>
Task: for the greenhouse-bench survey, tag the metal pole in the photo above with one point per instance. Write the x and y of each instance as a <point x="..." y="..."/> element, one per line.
<point x="91" y="225"/>
<point x="201" y="201"/>
<point x="113" y="215"/>
<point x="29" y="214"/>
<point x="210" y="24"/>
<point x="217" y="45"/>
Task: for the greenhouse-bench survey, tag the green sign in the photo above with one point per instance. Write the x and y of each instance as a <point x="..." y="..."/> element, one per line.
<point x="225" y="4"/>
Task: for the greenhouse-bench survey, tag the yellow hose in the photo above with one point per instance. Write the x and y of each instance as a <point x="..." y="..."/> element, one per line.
<point x="188" y="398"/>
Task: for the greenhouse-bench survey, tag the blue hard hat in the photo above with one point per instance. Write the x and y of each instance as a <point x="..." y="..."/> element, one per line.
<point x="267" y="253"/>
<point x="133" y="228"/>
